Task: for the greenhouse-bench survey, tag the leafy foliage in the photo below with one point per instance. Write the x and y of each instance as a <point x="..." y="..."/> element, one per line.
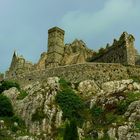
<point x="71" y="132"/>
<point x="137" y="124"/>
<point x="9" y="123"/>
<point x="73" y="107"/>
<point x="123" y="104"/>
<point x="22" y="95"/>
<point x="4" y="136"/>
<point x="98" y="115"/>
<point x="70" y="103"/>
<point x="136" y="78"/>
<point x="6" y="108"/>
<point x="5" y="85"/>
<point x="38" y="115"/>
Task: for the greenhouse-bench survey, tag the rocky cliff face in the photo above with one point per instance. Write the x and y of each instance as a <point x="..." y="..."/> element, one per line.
<point x="116" y="102"/>
<point x="39" y="110"/>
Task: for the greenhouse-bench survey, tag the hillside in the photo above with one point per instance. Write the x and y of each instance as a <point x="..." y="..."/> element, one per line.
<point x="55" y="109"/>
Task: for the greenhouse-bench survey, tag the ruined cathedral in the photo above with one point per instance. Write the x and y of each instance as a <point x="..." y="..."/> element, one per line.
<point x="75" y="57"/>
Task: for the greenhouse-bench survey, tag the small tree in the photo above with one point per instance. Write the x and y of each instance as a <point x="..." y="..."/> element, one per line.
<point x="71" y="132"/>
<point x="5" y="85"/>
<point x="72" y="107"/>
<point x="6" y="108"/>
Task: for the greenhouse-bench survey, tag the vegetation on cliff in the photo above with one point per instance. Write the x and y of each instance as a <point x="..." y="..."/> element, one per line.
<point x="5" y="85"/>
<point x="61" y="110"/>
<point x="72" y="107"/>
<point x="12" y="122"/>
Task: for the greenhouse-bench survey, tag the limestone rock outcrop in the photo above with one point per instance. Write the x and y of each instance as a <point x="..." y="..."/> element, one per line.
<point x="41" y="99"/>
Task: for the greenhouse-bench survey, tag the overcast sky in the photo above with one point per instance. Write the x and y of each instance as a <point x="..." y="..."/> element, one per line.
<point x="24" y="24"/>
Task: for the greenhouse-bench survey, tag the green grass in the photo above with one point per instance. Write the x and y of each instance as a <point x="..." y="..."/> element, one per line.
<point x="136" y="78"/>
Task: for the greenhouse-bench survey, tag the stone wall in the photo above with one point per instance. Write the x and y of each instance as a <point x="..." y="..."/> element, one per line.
<point x="122" y="51"/>
<point x="134" y="72"/>
<point x="100" y="72"/>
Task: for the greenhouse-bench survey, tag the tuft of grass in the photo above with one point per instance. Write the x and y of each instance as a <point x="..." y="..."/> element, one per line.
<point x="22" y="95"/>
<point x="123" y="104"/>
<point x="135" y="78"/>
<point x="38" y="115"/>
<point x="137" y="124"/>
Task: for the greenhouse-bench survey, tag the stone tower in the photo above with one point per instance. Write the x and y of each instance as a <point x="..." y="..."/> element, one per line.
<point x="55" y="47"/>
<point x="130" y="48"/>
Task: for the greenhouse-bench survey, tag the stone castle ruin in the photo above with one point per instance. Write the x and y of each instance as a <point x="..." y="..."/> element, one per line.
<point x="76" y="62"/>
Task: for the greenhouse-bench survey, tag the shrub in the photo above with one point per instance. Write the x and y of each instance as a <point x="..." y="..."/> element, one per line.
<point x="135" y="78"/>
<point x="71" y="132"/>
<point x="72" y="107"/>
<point x="38" y="115"/>
<point x="123" y="104"/>
<point x="17" y="119"/>
<point x="6" y="108"/>
<point x="122" y="107"/>
<point x="64" y="84"/>
<point x="9" y="123"/>
<point x="5" y="136"/>
<point x="71" y="104"/>
<point x="98" y="116"/>
<point x="110" y="117"/>
<point x="5" y="85"/>
<point x="22" y="95"/>
<point x="137" y="124"/>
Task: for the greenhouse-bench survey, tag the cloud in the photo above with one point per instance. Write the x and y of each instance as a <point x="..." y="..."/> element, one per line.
<point x="116" y="15"/>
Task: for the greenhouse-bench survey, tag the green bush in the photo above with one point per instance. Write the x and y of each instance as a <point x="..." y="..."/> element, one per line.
<point x="17" y="119"/>
<point x="5" y="136"/>
<point x="22" y="95"/>
<point x="71" y="132"/>
<point x="122" y="107"/>
<point x="123" y="104"/>
<point x="136" y="78"/>
<point x="98" y="116"/>
<point x="5" y="85"/>
<point x="9" y="123"/>
<point x="64" y="84"/>
<point x="38" y="115"/>
<point x="137" y="124"/>
<point x="6" y="108"/>
<point x="110" y="117"/>
<point x="72" y="107"/>
<point x="70" y="103"/>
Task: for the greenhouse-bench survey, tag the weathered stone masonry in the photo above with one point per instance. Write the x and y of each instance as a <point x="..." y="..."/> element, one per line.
<point x="70" y="61"/>
<point x="55" y="47"/>
<point x="122" y="51"/>
<point x="100" y="72"/>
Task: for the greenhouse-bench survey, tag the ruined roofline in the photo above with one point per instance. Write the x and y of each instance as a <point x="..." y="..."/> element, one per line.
<point x="117" y="43"/>
<point x="56" y="29"/>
